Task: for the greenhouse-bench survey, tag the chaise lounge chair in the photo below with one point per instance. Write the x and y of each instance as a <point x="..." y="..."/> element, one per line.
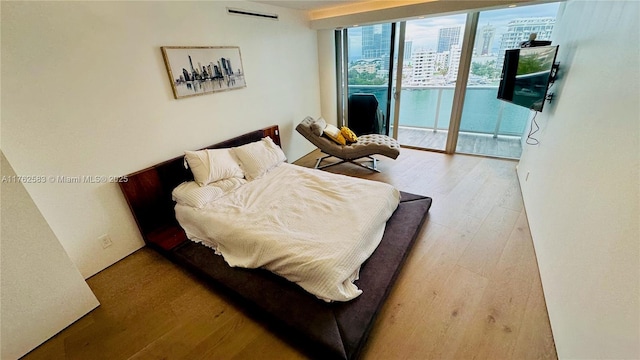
<point x="366" y="146"/>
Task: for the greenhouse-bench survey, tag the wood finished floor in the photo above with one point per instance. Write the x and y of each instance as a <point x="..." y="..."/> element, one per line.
<point x="470" y="288"/>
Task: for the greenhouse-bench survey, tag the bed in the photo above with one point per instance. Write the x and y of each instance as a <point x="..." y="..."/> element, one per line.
<point x="336" y="329"/>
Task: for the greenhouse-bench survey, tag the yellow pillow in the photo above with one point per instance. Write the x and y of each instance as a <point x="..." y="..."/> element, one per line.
<point x="348" y="134"/>
<point x="334" y="134"/>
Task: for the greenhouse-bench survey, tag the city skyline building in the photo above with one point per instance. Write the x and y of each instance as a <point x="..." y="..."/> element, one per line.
<point x="432" y="51"/>
<point x="442" y="60"/>
<point x="487" y="33"/>
<point x="447" y="37"/>
<point x="408" y="45"/>
<point x="424" y="67"/>
<point x="518" y="30"/>
<point x="376" y="41"/>
<point x="454" y="63"/>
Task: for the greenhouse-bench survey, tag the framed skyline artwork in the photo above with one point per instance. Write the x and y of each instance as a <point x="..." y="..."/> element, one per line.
<point x="199" y="70"/>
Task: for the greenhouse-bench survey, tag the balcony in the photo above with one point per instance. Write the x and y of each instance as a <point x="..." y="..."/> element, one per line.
<point x="489" y="126"/>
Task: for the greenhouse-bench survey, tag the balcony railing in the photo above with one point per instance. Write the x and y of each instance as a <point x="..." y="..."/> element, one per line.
<point x="430" y="108"/>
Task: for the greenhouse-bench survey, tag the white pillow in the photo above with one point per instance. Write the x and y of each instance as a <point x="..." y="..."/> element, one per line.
<point x="191" y="194"/>
<point x="257" y="158"/>
<point x="212" y="165"/>
<point x="318" y="126"/>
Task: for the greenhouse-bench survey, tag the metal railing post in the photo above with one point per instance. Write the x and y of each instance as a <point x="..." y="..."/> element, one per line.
<point x="495" y="132"/>
<point x="435" y="124"/>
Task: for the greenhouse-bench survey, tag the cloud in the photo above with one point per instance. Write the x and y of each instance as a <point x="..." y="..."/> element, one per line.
<point x="424" y="32"/>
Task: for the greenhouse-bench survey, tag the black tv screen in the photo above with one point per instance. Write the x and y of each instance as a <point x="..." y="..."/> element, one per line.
<point x="526" y="74"/>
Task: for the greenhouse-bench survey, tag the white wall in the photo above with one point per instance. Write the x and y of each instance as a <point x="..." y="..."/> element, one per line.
<point x="327" y="66"/>
<point x="85" y="92"/>
<point x="42" y="292"/>
<point x="582" y="193"/>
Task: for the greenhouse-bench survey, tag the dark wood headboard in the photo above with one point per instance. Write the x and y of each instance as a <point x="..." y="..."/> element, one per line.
<point x="148" y="192"/>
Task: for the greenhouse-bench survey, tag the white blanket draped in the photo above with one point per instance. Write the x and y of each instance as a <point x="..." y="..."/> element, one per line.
<point x="311" y="227"/>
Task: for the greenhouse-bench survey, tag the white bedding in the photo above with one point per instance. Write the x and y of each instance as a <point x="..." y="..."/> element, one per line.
<point x="312" y="227"/>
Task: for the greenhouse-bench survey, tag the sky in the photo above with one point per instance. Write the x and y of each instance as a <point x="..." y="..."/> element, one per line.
<point x="424" y="32"/>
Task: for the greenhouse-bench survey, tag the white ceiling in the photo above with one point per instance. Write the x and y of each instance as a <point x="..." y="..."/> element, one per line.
<point x="308" y="4"/>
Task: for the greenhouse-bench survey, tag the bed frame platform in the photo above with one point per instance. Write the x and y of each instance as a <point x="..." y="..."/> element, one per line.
<point x="322" y="330"/>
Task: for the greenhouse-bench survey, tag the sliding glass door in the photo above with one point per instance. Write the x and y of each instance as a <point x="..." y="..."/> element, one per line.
<point x="369" y="53"/>
<point x="429" y="71"/>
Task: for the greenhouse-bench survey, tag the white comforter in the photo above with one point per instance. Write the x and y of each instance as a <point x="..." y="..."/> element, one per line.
<point x="311" y="227"/>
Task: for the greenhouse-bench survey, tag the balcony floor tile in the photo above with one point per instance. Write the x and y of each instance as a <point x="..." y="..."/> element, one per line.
<point x="468" y="143"/>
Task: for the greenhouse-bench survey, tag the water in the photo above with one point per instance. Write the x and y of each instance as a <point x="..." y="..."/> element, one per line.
<point x="480" y="113"/>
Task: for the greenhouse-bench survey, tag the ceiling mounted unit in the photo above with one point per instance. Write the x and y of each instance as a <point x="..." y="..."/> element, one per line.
<point x="242" y="12"/>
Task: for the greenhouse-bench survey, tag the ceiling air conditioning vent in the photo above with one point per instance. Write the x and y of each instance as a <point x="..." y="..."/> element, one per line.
<point x="242" y="12"/>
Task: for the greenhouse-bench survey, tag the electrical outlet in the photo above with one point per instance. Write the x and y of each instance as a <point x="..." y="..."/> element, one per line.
<point x="105" y="240"/>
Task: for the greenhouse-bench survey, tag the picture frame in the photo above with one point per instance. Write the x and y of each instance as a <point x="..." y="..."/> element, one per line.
<point x="201" y="70"/>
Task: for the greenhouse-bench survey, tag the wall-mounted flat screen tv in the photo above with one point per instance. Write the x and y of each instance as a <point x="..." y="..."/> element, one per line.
<point x="526" y="74"/>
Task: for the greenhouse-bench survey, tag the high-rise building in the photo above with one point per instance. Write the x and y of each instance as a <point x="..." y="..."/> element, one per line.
<point x="487" y="33"/>
<point x="447" y="37"/>
<point x="518" y="30"/>
<point x="226" y="66"/>
<point x="376" y="41"/>
<point x="454" y="63"/>
<point x="407" y="50"/>
<point x="424" y="67"/>
<point x="442" y="60"/>
<point x="215" y="70"/>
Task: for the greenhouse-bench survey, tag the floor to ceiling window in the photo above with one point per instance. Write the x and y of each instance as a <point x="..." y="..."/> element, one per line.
<point x="490" y="126"/>
<point x="429" y="71"/>
<point x="369" y="53"/>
